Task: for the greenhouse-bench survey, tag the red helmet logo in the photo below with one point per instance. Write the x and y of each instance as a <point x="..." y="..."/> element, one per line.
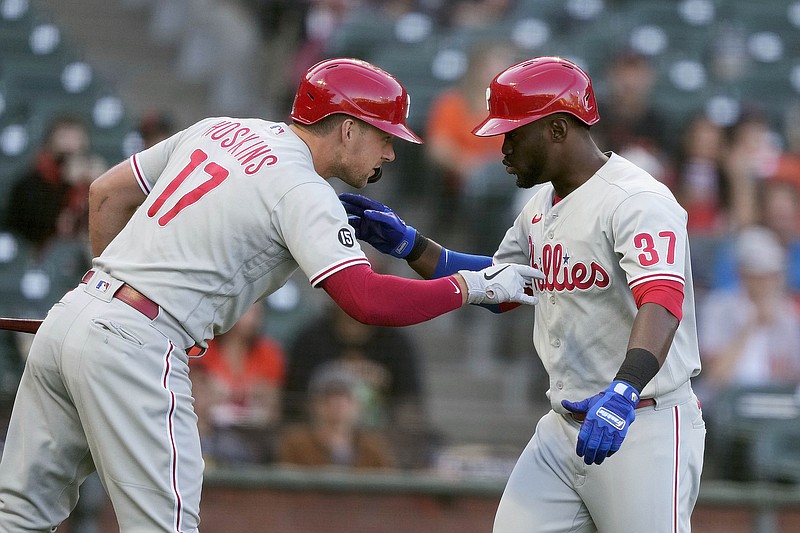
<point x="355" y="88"/>
<point x="535" y="88"/>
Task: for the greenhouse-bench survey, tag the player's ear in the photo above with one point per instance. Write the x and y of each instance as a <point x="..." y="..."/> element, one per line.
<point x="347" y="129"/>
<point x="558" y="127"/>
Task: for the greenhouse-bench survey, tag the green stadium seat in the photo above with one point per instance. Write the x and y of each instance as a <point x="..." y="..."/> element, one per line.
<point x="750" y="420"/>
<point x="366" y="31"/>
<point x="776" y="453"/>
<point x="15" y="15"/>
<point x="412" y="64"/>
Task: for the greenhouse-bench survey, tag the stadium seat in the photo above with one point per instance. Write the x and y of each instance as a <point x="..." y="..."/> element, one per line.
<point x="776" y="454"/>
<point x="413" y="64"/>
<point x="360" y="35"/>
<point x="14" y="257"/>
<point x="15" y="14"/>
<point x="747" y="421"/>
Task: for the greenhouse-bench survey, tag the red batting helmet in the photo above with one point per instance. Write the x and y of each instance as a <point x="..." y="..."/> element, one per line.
<point x="355" y="88"/>
<point x="534" y="89"/>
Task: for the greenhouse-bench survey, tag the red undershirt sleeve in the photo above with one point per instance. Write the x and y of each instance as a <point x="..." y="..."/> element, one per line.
<point x="668" y="294"/>
<point x="383" y="300"/>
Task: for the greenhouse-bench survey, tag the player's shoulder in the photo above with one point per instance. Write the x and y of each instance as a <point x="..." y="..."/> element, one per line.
<point x="626" y="179"/>
<point x="221" y="126"/>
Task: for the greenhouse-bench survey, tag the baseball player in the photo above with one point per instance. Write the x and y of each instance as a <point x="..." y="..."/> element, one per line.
<point x="187" y="235"/>
<point x="622" y="447"/>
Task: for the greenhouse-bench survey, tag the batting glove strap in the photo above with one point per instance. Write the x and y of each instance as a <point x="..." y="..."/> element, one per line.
<point x="501" y="283"/>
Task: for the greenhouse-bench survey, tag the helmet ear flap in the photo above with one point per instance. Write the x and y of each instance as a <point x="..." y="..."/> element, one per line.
<point x="535" y="88"/>
<point x="356" y="88"/>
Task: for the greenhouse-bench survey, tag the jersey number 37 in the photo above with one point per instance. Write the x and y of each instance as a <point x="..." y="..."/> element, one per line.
<point x="652" y="248"/>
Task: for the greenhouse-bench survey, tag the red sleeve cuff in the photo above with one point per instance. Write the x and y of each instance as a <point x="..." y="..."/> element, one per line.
<point x="667" y="294"/>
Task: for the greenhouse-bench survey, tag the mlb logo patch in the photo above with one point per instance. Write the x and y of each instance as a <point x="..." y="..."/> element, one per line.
<point x="102" y="285"/>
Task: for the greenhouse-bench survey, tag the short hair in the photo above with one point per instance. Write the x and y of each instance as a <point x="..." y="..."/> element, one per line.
<point x="326" y="125"/>
<point x="572" y="119"/>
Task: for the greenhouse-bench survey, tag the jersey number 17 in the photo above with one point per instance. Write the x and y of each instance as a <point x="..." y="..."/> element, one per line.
<point x="217" y="175"/>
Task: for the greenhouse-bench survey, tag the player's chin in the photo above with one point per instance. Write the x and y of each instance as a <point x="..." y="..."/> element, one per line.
<point x="525" y="182"/>
<point x="361" y="183"/>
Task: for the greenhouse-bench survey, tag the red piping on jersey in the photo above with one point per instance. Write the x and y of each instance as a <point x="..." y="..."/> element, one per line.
<point x="676" y="469"/>
<point x="173" y="448"/>
<point x="668" y="294"/>
<point x="137" y="171"/>
<point x="338" y="266"/>
<point x="382" y="300"/>
<point x="663" y="275"/>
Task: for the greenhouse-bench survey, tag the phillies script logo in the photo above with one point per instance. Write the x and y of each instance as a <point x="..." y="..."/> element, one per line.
<point x="563" y="274"/>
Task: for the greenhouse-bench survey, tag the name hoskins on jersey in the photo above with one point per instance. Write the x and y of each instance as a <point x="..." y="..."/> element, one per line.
<point x="250" y="149"/>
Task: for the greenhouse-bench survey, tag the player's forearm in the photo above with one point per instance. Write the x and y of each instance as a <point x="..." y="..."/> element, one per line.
<point x="651" y="336"/>
<point x="425" y="264"/>
<point x="113" y="198"/>
<point x="382" y="300"/>
<point x="437" y="261"/>
<point x="653" y="330"/>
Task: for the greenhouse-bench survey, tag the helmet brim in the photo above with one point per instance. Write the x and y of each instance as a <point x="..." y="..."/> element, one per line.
<point x="398" y="130"/>
<point x="497" y="126"/>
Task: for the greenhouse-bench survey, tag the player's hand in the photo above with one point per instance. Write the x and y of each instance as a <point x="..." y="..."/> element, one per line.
<point x="608" y="416"/>
<point x="504" y="282"/>
<point x="378" y="225"/>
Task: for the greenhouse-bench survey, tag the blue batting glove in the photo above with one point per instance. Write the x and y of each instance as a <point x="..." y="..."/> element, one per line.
<point x="378" y="225"/>
<point x="608" y="416"/>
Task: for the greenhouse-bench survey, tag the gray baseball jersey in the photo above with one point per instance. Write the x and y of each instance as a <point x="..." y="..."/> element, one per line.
<point x="214" y="263"/>
<point x="619" y="229"/>
<point x="233" y="207"/>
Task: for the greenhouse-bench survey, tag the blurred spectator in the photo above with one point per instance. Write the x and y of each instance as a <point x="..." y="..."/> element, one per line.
<point x="630" y="122"/>
<point x="322" y="19"/>
<point x="237" y="386"/>
<point x="749" y="336"/>
<point x="334" y="434"/>
<point x="80" y="170"/>
<point x="298" y="33"/>
<point x="45" y="251"/>
<point x="788" y="166"/>
<point x="155" y="126"/>
<point x="219" y="44"/>
<point x="474" y="14"/>
<point x="387" y="364"/>
<point x="700" y="182"/>
<point x="751" y="156"/>
<point x="777" y="208"/>
<point x="759" y="343"/>
<point x="458" y="156"/>
<point x="50" y="199"/>
<point x="45" y="255"/>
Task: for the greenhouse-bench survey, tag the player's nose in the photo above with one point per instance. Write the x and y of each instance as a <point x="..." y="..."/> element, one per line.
<point x="388" y="154"/>
<point x="506" y="148"/>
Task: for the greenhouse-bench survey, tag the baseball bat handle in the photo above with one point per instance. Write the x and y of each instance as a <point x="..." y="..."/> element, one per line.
<point x="25" y="325"/>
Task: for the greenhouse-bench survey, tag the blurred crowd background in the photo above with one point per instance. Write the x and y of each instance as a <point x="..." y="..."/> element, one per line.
<point x="705" y="94"/>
